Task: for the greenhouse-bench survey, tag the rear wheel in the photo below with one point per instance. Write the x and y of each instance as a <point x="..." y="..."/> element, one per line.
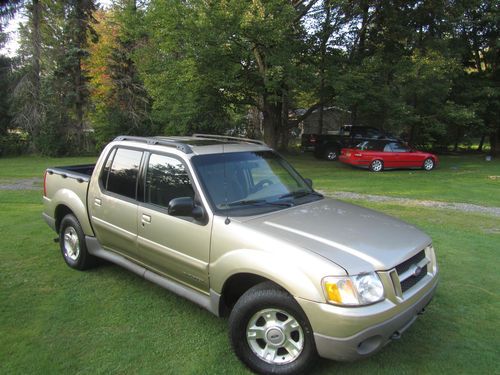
<point x="270" y="333"/>
<point x="429" y="164"/>
<point x="377" y="165"/>
<point x="72" y="244"/>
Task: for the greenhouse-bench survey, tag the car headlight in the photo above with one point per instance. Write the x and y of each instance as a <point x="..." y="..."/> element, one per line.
<point x="357" y="290"/>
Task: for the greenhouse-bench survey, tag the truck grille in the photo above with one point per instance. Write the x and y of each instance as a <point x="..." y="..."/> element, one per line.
<point x="406" y="271"/>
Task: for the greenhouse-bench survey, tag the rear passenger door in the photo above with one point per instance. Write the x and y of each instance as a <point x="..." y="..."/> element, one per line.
<point x="113" y="204"/>
<point x="177" y="247"/>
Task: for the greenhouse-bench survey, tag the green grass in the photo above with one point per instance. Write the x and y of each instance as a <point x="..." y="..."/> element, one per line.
<point x="464" y="179"/>
<point x="34" y="166"/>
<point x="56" y="320"/>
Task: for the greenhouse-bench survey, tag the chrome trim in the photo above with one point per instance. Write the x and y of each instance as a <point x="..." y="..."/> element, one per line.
<point x="411" y="271"/>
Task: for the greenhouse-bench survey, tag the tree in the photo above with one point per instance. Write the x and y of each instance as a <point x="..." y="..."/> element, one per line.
<point x="222" y="58"/>
<point x="122" y="105"/>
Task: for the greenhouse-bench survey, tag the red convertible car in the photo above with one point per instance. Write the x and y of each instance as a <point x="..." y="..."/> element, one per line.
<point x="380" y="155"/>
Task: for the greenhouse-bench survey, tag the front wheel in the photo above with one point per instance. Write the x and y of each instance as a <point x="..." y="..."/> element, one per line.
<point x="72" y="244"/>
<point x="428" y="164"/>
<point x="270" y="333"/>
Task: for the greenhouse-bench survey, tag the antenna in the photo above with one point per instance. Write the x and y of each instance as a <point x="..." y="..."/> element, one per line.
<point x="227" y="221"/>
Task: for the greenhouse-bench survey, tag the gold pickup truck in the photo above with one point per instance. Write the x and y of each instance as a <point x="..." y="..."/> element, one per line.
<point x="227" y="223"/>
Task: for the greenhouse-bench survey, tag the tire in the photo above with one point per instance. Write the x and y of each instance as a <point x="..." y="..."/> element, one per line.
<point x="270" y="333"/>
<point x="377" y="165"/>
<point x="73" y="246"/>
<point x="331" y="154"/>
<point x="429" y="164"/>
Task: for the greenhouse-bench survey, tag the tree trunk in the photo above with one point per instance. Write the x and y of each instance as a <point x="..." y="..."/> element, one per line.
<point x="271" y="122"/>
<point x="481" y="143"/>
<point x="494" y="135"/>
<point x="322" y="70"/>
<point x="36" y="44"/>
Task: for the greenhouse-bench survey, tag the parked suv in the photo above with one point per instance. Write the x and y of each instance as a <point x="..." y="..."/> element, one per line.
<point x="230" y="225"/>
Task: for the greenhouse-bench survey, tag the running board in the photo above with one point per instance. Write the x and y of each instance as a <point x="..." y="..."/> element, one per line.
<point x="209" y="302"/>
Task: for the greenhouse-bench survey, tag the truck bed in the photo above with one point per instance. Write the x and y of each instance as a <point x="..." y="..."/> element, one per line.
<point x="67" y="187"/>
<point x="79" y="172"/>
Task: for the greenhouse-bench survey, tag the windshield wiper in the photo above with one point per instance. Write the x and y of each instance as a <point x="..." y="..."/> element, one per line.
<point x="300" y="194"/>
<point x="257" y="202"/>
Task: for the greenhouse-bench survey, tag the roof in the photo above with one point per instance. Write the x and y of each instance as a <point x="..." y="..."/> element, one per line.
<point x="200" y="143"/>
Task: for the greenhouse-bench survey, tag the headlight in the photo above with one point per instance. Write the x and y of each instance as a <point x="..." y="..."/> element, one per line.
<point x="357" y="290"/>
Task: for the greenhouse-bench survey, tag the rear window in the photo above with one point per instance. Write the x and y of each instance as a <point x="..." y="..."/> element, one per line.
<point x="120" y="176"/>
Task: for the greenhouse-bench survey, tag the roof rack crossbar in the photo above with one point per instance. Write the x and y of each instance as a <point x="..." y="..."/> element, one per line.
<point x="155" y="141"/>
<point x="229" y="138"/>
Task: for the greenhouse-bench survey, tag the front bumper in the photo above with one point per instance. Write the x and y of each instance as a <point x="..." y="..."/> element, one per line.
<point x="375" y="325"/>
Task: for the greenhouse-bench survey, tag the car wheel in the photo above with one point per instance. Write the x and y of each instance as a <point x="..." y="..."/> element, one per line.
<point x="72" y="244"/>
<point x="428" y="164"/>
<point x="331" y="154"/>
<point x="270" y="333"/>
<point x="377" y="165"/>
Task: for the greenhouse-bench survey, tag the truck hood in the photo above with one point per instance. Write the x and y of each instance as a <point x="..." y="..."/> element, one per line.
<point x="355" y="238"/>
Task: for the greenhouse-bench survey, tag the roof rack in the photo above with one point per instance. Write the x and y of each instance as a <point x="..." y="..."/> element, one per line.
<point x="155" y="141"/>
<point x="228" y="138"/>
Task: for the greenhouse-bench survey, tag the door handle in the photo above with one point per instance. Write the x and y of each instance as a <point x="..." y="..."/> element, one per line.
<point x="146" y="219"/>
<point x="97" y="201"/>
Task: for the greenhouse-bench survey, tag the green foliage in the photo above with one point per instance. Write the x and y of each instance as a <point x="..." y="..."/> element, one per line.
<point x="13" y="144"/>
<point x="424" y="70"/>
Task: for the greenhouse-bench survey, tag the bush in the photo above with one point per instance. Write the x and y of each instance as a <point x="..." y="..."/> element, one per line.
<point x="13" y="144"/>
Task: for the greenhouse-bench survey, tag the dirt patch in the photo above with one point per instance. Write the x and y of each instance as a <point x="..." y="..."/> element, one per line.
<point x="34" y="183"/>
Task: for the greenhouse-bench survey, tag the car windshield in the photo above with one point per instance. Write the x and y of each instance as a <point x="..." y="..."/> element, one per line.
<point x="250" y="183"/>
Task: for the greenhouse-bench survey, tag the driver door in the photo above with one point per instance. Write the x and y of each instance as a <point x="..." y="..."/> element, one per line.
<point x="177" y="247"/>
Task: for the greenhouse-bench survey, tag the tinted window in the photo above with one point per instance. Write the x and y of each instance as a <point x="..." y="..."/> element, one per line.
<point x="123" y="173"/>
<point x="166" y="179"/>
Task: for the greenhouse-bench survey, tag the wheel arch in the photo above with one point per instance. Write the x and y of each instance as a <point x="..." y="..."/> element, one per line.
<point x="66" y="202"/>
<point x="236" y="285"/>
<point x="60" y="212"/>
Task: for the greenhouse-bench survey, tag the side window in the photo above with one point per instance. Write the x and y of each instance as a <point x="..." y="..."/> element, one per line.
<point x="398" y="147"/>
<point x="122" y="176"/>
<point x="166" y="179"/>
<point x="105" y="170"/>
<point x="389" y="147"/>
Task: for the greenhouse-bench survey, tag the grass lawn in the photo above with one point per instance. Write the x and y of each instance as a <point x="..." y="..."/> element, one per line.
<point x="56" y="320"/>
<point x="466" y="179"/>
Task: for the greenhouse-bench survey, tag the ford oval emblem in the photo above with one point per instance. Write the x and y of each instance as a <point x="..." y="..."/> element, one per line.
<point x="417" y="271"/>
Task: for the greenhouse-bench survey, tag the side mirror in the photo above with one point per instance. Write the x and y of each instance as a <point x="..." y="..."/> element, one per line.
<point x="184" y="206"/>
<point x="309" y="182"/>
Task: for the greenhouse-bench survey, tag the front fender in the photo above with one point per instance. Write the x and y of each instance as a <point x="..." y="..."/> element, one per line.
<point x="286" y="273"/>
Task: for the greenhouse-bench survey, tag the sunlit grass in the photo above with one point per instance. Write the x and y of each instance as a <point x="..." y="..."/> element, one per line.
<point x="55" y="320"/>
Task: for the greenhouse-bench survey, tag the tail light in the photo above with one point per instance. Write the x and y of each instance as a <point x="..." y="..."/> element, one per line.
<point x="312" y="139"/>
<point x="45" y="184"/>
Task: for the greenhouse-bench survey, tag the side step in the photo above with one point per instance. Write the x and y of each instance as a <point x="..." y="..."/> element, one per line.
<point x="209" y="302"/>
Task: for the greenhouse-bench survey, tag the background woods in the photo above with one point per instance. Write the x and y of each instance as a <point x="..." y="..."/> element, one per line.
<point x="84" y="73"/>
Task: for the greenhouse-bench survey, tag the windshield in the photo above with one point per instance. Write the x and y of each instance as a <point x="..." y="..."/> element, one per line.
<point x="250" y="183"/>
